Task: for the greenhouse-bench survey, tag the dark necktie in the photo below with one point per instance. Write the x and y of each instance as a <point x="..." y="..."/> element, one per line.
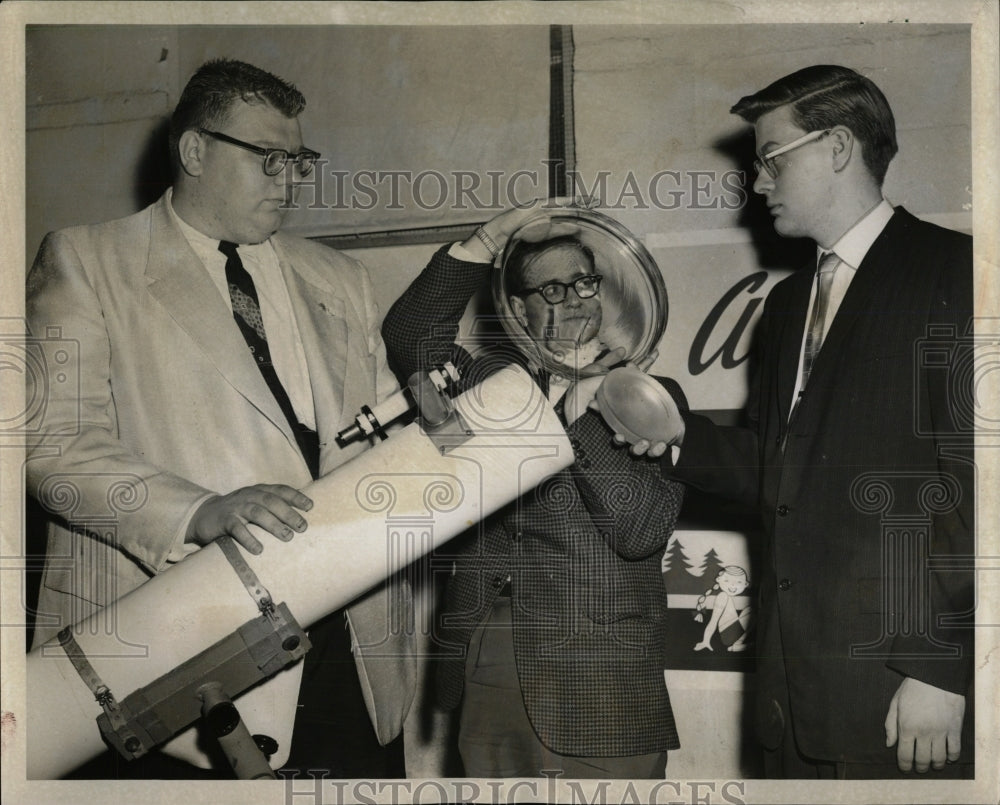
<point x="246" y="312"/>
<point x="542" y="380"/>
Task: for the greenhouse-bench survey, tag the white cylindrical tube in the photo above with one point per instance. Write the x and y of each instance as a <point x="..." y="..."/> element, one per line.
<point x="372" y="516"/>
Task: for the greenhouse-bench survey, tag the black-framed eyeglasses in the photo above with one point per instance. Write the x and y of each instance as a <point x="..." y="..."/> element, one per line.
<point x="554" y="292"/>
<point x="766" y="161"/>
<point x="275" y="159"/>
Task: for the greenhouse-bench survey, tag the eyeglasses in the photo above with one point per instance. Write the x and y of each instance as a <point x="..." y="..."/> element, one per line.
<point x="275" y="159"/>
<point x="766" y="161"/>
<point x="554" y="292"/>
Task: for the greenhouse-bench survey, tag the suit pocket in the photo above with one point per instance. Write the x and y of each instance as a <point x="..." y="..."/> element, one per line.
<point x="613" y="615"/>
<point x="873" y="359"/>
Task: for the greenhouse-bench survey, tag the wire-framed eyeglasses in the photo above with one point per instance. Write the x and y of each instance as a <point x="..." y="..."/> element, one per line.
<point x="766" y="161"/>
<point x="555" y="292"/>
<point x="275" y="159"/>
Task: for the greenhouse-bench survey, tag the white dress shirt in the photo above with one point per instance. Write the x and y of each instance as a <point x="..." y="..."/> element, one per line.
<point x="283" y="339"/>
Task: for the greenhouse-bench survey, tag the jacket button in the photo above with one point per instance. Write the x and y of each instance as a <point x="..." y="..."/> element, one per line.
<point x="499" y="581"/>
<point x="782" y="510"/>
<point x="785" y="585"/>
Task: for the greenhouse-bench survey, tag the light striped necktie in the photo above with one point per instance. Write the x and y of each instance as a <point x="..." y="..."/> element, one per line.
<point x="817" y="325"/>
<point x="817" y="321"/>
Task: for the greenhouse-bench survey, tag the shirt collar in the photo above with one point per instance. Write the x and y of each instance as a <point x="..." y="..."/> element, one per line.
<point x="856" y="241"/>
<point x="200" y="242"/>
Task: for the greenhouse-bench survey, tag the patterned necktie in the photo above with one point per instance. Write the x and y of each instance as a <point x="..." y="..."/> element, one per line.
<point x="246" y="312"/>
<point x="817" y="322"/>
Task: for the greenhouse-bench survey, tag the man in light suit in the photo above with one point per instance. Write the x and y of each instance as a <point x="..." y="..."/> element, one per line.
<point x="858" y="453"/>
<point x="217" y="359"/>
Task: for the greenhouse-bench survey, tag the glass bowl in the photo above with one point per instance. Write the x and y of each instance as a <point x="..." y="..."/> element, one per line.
<point x="632" y="292"/>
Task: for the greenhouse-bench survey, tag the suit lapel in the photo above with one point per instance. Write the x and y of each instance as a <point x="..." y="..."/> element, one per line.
<point x="320" y="313"/>
<point x="793" y="323"/>
<point x="867" y="285"/>
<point x="179" y="282"/>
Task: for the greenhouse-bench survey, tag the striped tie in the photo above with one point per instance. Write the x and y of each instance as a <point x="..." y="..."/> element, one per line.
<point x="817" y="326"/>
<point x="817" y="322"/>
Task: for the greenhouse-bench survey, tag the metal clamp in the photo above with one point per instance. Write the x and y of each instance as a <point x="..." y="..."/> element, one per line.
<point x="153" y="714"/>
<point x="283" y="624"/>
<point x="438" y="417"/>
<point x="258" y="592"/>
<point x="114" y="715"/>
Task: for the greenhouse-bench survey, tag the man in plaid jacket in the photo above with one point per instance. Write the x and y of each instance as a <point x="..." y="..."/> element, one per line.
<point x="553" y="626"/>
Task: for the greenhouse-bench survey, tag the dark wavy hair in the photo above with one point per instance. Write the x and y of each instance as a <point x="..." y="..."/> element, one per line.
<point x="524" y="254"/>
<point x="208" y="98"/>
<point x="825" y="95"/>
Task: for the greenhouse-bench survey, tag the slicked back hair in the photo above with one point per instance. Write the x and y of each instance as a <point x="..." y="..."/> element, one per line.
<point x="210" y="94"/>
<point x="824" y="96"/>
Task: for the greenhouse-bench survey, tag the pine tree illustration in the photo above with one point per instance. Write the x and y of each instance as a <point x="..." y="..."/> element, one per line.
<point x="673" y="567"/>
<point x="713" y="564"/>
<point x="672" y="556"/>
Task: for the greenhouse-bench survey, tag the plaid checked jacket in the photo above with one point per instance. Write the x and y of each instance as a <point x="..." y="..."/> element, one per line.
<point x="582" y="552"/>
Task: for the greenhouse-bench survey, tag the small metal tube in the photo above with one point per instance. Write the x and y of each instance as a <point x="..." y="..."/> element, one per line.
<point x="425" y="389"/>
<point x="224" y="722"/>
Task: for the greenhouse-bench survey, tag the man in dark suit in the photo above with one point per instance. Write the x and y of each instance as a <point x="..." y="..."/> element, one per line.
<point x="857" y="454"/>
<point x="218" y="358"/>
<point x="553" y="628"/>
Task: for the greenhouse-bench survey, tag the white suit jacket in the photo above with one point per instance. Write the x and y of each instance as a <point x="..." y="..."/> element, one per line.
<point x="155" y="402"/>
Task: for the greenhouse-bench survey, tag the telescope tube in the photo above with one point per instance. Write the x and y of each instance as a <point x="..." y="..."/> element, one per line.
<point x="372" y="516"/>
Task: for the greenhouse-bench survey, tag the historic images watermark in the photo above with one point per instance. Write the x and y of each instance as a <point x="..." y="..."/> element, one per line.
<point x="549" y="788"/>
<point x="495" y="190"/>
<point x="925" y="585"/>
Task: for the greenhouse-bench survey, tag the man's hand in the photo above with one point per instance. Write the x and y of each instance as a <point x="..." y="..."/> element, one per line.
<point x="270" y="506"/>
<point x="644" y="447"/>
<point x="927" y="723"/>
<point x="654" y="449"/>
<point x="500" y="228"/>
<point x="580" y="396"/>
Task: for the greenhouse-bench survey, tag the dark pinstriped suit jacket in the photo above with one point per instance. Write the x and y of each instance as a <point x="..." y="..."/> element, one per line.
<point x="582" y="551"/>
<point x="875" y="482"/>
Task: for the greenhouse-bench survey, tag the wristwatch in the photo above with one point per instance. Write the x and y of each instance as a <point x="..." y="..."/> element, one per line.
<point x="487" y="241"/>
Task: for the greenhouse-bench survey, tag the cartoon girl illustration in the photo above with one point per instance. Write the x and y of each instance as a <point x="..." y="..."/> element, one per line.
<point x="733" y="625"/>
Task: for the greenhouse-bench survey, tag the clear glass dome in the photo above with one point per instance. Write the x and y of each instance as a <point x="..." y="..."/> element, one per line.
<point x="632" y="293"/>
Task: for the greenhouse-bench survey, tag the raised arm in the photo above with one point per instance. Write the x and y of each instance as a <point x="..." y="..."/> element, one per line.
<point x="420" y="328"/>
